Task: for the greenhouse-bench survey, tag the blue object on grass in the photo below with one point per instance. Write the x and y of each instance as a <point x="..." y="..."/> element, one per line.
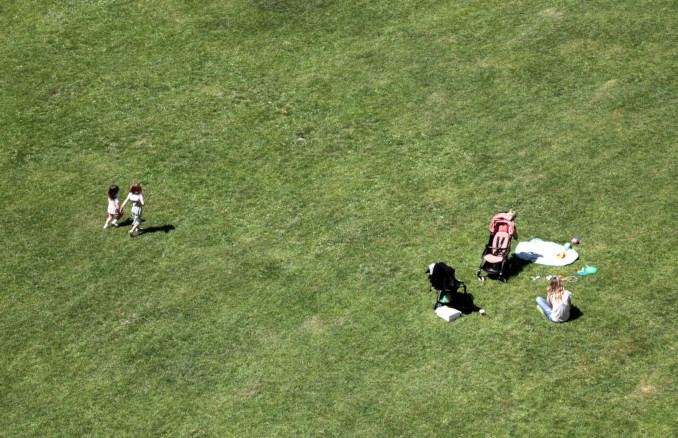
<point x="587" y="270"/>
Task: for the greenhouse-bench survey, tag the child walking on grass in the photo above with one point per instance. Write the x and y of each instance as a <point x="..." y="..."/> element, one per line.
<point x="557" y="304"/>
<point x="114" y="210"/>
<point x="137" y="200"/>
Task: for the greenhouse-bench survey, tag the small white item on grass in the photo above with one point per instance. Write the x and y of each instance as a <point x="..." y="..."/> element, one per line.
<point x="482" y="312"/>
<point x="448" y="313"/>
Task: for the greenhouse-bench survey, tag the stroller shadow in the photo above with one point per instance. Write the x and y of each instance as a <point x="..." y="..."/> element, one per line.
<point x="516" y="265"/>
<point x="163" y="228"/>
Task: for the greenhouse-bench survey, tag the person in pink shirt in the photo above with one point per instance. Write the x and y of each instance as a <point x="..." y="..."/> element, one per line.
<point x="114" y="210"/>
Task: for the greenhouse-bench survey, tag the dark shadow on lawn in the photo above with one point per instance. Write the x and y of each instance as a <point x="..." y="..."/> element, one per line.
<point x="163" y="228"/>
<point x="462" y="301"/>
<point x="516" y="266"/>
<point x="125" y="223"/>
<point x="575" y="313"/>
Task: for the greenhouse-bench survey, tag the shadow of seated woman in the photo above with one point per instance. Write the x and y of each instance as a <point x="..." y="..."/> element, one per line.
<point x="575" y="313"/>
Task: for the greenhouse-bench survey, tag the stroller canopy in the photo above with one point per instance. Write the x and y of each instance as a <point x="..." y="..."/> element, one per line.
<point x="502" y="222"/>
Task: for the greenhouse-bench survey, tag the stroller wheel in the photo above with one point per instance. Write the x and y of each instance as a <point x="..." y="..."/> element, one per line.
<point x="481" y="277"/>
<point x="502" y="280"/>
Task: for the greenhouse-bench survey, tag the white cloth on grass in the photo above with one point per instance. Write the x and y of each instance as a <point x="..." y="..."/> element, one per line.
<point x="545" y="253"/>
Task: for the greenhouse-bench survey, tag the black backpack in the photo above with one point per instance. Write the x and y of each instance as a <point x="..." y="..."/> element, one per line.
<point x="442" y="278"/>
<point x="444" y="282"/>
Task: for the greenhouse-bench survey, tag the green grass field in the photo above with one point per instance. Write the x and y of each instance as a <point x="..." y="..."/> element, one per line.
<point x="303" y="164"/>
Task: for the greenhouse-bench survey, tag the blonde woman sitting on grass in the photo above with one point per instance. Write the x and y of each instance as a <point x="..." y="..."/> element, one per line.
<point x="557" y="304"/>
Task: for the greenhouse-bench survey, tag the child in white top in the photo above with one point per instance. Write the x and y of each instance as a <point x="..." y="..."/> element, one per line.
<point x="114" y="210"/>
<point x="137" y="200"/>
<point x="558" y="304"/>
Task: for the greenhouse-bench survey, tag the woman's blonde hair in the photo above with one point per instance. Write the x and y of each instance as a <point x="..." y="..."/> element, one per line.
<point x="555" y="291"/>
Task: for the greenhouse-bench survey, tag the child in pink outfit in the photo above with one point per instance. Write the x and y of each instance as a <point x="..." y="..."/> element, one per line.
<point x="114" y="210"/>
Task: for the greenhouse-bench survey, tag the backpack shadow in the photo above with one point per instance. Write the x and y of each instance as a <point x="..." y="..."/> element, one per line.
<point x="462" y="301"/>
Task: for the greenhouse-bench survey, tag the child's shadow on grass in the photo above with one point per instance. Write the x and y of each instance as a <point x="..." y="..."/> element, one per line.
<point x="163" y="228"/>
<point x="125" y="223"/>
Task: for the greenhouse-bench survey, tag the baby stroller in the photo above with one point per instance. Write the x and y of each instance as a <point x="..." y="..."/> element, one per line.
<point x="495" y="256"/>
<point x="444" y="282"/>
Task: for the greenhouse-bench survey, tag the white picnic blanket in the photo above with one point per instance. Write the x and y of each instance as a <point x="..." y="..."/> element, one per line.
<point x="545" y="253"/>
